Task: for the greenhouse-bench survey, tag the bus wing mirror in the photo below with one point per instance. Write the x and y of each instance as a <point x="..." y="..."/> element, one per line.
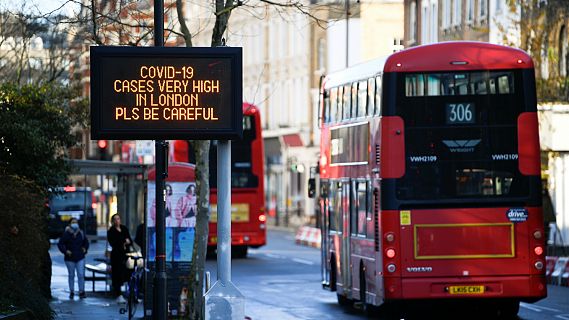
<point x="311" y="187"/>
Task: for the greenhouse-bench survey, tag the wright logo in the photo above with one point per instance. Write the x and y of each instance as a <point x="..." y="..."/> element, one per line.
<point x="461" y="145"/>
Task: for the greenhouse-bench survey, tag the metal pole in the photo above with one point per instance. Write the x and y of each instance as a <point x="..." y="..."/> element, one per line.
<point x="224" y="211"/>
<point x="160" y="293"/>
<point x="224" y="300"/>
<point x="347" y="32"/>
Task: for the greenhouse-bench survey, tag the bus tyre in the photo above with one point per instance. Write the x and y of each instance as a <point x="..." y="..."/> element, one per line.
<point x="363" y="289"/>
<point x="508" y="309"/>
<point x="333" y="274"/>
<point x="239" y="252"/>
<point x="343" y="300"/>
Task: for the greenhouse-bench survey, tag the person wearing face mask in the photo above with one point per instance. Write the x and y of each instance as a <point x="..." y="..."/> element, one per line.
<point x="74" y="245"/>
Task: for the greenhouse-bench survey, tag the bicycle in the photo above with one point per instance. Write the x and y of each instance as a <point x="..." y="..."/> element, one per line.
<point x="133" y="283"/>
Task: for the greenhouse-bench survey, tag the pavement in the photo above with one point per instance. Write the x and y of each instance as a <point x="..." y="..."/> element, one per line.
<point x="99" y="304"/>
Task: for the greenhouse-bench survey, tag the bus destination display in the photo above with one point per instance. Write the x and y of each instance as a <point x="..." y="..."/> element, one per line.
<point x="166" y="93"/>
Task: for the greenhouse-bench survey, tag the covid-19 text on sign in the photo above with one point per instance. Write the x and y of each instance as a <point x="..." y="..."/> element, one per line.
<point x="166" y="93"/>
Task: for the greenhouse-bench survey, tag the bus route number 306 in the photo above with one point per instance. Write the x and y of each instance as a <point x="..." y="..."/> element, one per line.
<point x="458" y="113"/>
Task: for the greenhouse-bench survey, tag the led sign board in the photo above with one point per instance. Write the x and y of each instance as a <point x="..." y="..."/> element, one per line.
<point x="159" y="93"/>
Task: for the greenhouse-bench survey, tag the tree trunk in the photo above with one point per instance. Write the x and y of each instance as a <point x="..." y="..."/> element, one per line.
<point x="202" y="229"/>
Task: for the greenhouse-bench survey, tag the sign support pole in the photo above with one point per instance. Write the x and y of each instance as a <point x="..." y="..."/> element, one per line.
<point x="224" y="211"/>
<point x="224" y="300"/>
<point x="160" y="294"/>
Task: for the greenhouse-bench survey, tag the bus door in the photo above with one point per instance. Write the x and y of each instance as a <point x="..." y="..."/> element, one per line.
<point x="346" y="274"/>
<point x="324" y="211"/>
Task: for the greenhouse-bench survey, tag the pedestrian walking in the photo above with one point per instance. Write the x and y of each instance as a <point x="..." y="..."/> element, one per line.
<point x="120" y="241"/>
<point x="74" y="245"/>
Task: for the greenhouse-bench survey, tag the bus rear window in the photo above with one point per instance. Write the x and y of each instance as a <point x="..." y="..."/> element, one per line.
<point x="461" y="136"/>
<point x="459" y="84"/>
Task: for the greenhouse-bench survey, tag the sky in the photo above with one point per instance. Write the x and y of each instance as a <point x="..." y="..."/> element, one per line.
<point x="37" y="6"/>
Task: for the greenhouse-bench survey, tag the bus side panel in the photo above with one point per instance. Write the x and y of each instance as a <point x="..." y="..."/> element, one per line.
<point x="363" y="261"/>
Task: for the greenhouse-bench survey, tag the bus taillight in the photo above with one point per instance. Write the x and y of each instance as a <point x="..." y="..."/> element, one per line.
<point x="390" y="253"/>
<point x="538" y="250"/>
<point x="262" y="218"/>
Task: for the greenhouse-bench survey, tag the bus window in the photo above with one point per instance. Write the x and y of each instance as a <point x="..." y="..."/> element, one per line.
<point x="340" y="114"/>
<point x="326" y="108"/>
<point x="377" y="95"/>
<point x="347" y="102"/>
<point x="362" y="207"/>
<point x="504" y="84"/>
<point x="354" y="210"/>
<point x="433" y="85"/>
<point x="462" y="142"/>
<point x="354" y="100"/>
<point x="459" y="84"/>
<point x="414" y="85"/>
<point x="335" y="206"/>
<point x="371" y="96"/>
<point x="362" y="99"/>
<point x="332" y="117"/>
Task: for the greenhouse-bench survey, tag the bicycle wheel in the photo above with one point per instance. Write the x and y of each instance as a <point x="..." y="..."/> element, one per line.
<point x="131" y="298"/>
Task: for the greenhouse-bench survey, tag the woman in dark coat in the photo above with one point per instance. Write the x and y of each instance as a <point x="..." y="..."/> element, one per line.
<point x="74" y="245"/>
<point x="119" y="239"/>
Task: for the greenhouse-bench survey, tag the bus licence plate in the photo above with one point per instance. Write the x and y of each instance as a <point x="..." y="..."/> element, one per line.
<point x="466" y="289"/>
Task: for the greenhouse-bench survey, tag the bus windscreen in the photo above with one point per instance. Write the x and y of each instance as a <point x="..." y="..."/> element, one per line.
<point x="242" y="175"/>
<point x="461" y="136"/>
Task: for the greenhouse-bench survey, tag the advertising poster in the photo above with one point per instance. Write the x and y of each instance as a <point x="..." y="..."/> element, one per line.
<point x="180" y="220"/>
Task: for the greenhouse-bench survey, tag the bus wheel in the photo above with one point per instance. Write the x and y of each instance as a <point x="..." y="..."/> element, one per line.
<point x="333" y="274"/>
<point x="239" y="252"/>
<point x="343" y="300"/>
<point x="363" y="289"/>
<point x="508" y="309"/>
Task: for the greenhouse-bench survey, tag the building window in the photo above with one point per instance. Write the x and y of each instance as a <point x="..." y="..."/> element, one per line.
<point x="470" y="11"/>
<point x="447" y="14"/>
<point x="425" y="23"/>
<point x="457" y="12"/>
<point x="412" y="21"/>
<point x="434" y="24"/>
<point x="482" y="9"/>
<point x="544" y="62"/>
<point x="563" y="52"/>
<point x="321" y="53"/>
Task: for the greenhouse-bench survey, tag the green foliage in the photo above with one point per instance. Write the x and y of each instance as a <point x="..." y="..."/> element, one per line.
<point x="35" y="127"/>
<point x="25" y="267"/>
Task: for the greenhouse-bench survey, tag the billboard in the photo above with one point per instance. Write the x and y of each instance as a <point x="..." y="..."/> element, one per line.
<point x="159" y="93"/>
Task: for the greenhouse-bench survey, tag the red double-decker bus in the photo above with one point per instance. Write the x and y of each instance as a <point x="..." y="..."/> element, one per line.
<point x="430" y="178"/>
<point x="248" y="219"/>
